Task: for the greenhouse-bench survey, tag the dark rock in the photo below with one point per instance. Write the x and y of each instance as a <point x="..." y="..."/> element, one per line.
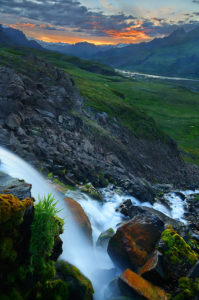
<point x="57" y="249"/>
<point x="194" y="273"/>
<point x="135" y="241"/>
<point x="153" y="269"/>
<point x="104" y="238"/>
<point x="181" y="195"/>
<point x="13" y="121"/>
<point x="16" y="187"/>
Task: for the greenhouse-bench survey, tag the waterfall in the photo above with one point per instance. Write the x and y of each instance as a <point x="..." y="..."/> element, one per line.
<point x="76" y="248"/>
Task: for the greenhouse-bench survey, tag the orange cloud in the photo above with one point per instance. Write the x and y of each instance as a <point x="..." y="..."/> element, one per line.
<point x="23" y="25"/>
<point x="131" y="34"/>
<point x="128" y="35"/>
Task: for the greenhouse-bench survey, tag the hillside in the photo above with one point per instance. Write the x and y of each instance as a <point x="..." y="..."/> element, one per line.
<point x="102" y="137"/>
<point x="175" y="55"/>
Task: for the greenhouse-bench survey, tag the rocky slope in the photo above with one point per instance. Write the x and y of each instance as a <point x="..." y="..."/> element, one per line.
<point x="44" y="120"/>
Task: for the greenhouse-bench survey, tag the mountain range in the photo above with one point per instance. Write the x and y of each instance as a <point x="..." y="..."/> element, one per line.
<point x="13" y="37"/>
<point x="173" y="55"/>
<point x="82" y="50"/>
<point x="176" y="54"/>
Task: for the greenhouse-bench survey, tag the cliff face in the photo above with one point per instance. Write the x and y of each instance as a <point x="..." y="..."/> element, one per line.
<point x="42" y="118"/>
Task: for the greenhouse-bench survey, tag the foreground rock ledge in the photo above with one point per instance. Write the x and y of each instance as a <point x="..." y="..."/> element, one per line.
<point x="141" y="286"/>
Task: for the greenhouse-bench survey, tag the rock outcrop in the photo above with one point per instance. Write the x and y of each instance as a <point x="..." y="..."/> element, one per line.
<point x="43" y="119"/>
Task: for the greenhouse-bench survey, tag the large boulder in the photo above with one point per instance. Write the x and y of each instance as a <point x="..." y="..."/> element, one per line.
<point x="135" y="285"/>
<point x="134" y="241"/>
<point x="177" y="256"/>
<point x="80" y="217"/>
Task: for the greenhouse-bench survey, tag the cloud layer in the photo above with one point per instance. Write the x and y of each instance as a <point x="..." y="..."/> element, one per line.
<point x="71" y="15"/>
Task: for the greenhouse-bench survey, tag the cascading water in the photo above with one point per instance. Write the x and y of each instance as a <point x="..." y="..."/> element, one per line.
<point x="76" y="248"/>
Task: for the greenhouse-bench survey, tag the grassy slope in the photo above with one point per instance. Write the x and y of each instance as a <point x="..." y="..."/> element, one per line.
<point x="174" y="109"/>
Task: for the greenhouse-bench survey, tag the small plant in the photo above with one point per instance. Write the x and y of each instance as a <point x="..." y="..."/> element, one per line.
<point x="44" y="230"/>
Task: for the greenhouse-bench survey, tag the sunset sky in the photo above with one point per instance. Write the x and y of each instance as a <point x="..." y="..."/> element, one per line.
<point x="99" y="21"/>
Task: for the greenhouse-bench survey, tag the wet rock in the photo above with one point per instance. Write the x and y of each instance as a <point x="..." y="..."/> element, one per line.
<point x="91" y="191"/>
<point x="16" y="187"/>
<point x="80" y="217"/>
<point x="134" y="241"/>
<point x="180" y="195"/>
<point x="104" y="238"/>
<point x="153" y="269"/>
<point x="130" y="210"/>
<point x="132" y="283"/>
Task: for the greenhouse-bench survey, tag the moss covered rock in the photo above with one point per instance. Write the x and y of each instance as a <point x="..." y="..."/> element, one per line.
<point x="80" y="287"/>
<point x="178" y="257"/>
<point x="91" y="191"/>
<point x="12" y="210"/>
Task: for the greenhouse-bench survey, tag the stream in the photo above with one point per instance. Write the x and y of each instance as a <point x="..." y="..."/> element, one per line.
<point x="76" y="249"/>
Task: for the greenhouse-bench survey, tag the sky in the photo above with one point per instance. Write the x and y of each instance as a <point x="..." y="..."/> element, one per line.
<point x="99" y="21"/>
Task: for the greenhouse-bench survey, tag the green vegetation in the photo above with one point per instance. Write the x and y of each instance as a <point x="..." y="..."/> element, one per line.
<point x="27" y="244"/>
<point x="179" y="253"/>
<point x="134" y="103"/>
<point x="187" y="288"/>
<point x="44" y="230"/>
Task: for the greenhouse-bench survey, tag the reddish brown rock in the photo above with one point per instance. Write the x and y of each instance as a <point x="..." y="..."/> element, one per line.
<point x="153" y="269"/>
<point x="139" y="286"/>
<point x="80" y="217"/>
<point x="133" y="242"/>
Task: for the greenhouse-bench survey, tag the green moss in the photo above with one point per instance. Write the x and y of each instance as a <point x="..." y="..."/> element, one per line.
<point x="187" y="287"/>
<point x="13" y="294"/>
<point x="64" y="187"/>
<point x="91" y="191"/>
<point x="50" y="175"/>
<point x="44" y="231"/>
<point x="177" y="250"/>
<point x="6" y="249"/>
<point x="81" y="287"/>
<point x="196" y="285"/>
<point x="52" y="290"/>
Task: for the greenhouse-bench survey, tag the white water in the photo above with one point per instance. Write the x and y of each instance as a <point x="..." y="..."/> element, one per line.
<point x="76" y="248"/>
<point x="137" y="74"/>
<point x="103" y="216"/>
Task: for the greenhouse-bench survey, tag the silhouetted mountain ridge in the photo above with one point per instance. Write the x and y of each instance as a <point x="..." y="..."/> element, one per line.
<point x="13" y="37"/>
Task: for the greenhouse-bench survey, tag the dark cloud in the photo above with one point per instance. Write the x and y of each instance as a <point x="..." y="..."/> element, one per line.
<point x="63" y="14"/>
<point x="195" y="1"/>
